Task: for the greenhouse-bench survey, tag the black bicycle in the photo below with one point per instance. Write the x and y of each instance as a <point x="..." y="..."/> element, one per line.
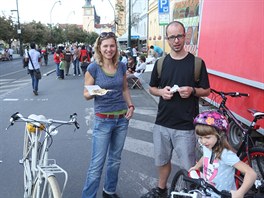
<point x="184" y="186"/>
<point x="247" y="150"/>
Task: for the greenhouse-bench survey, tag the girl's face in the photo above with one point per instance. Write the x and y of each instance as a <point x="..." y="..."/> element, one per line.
<point x="108" y="48"/>
<point x="208" y="141"/>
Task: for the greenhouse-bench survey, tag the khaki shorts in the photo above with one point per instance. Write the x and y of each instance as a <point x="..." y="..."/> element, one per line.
<point x="181" y="141"/>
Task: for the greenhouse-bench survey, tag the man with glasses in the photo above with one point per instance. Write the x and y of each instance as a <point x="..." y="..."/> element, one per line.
<point x="173" y="129"/>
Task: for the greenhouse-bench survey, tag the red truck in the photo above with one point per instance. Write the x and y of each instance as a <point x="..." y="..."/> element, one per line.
<point x="231" y="41"/>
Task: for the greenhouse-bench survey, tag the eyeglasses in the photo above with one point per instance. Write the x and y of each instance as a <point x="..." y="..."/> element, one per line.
<point x="107" y="34"/>
<point x="173" y="37"/>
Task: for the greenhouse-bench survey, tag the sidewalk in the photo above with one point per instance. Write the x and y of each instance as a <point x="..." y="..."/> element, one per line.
<point x="145" y="80"/>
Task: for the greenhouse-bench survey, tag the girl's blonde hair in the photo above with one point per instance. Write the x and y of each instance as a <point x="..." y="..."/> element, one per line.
<point x="222" y="142"/>
<point x="97" y="53"/>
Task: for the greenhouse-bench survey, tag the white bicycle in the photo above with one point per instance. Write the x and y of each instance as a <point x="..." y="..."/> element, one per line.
<point x="39" y="170"/>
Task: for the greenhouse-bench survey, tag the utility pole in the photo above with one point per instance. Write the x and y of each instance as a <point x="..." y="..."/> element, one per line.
<point x="129" y="26"/>
<point x="19" y="31"/>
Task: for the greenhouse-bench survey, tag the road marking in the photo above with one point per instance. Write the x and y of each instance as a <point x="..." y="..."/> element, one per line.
<point x="10" y="99"/>
<point x="142" y="125"/>
<point x="139" y="146"/>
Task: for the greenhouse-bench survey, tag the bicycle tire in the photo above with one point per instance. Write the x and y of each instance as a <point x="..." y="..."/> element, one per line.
<point x="52" y="189"/>
<point x="178" y="184"/>
<point x="257" y="159"/>
<point x="235" y="135"/>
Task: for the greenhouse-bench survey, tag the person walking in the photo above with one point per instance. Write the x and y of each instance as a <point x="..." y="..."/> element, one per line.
<point x="219" y="160"/>
<point x="174" y="129"/>
<point x="76" y="62"/>
<point x="34" y="57"/>
<point x="112" y="113"/>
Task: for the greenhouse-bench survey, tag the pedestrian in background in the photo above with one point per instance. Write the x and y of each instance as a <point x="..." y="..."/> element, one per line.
<point x="68" y="60"/>
<point x="84" y="64"/>
<point x="84" y="53"/>
<point x="157" y="49"/>
<point x="76" y="56"/>
<point x="131" y="65"/>
<point x="174" y="129"/>
<point x="58" y="57"/>
<point x="35" y="57"/>
<point x="112" y="113"/>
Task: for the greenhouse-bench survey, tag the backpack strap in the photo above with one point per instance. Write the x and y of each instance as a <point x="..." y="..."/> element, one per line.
<point x="159" y="66"/>
<point x="197" y="68"/>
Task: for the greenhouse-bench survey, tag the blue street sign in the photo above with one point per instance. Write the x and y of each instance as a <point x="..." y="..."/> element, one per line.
<point x="164" y="12"/>
<point x="164" y="6"/>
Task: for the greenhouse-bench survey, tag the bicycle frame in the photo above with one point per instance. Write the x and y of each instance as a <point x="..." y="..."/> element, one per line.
<point x="244" y="147"/>
<point x="41" y="167"/>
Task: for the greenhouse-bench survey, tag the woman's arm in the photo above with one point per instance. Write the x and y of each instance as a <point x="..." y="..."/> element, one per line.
<point x="88" y="80"/>
<point x="127" y="98"/>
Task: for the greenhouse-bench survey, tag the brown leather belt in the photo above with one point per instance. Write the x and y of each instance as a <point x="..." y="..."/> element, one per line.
<point x="111" y="116"/>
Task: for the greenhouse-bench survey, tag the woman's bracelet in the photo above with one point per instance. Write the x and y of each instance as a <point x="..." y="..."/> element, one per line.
<point x="131" y="106"/>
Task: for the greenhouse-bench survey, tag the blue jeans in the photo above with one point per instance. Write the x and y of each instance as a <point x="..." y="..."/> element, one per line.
<point x="76" y="67"/>
<point x="108" y="140"/>
<point x="34" y="80"/>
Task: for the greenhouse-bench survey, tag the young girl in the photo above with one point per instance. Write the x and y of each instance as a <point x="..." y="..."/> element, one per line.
<point x="219" y="161"/>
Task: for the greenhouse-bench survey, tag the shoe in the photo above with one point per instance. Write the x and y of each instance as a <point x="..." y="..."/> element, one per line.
<point x="73" y="74"/>
<point x="35" y="93"/>
<point x="105" y="195"/>
<point x="79" y="75"/>
<point x="155" y="193"/>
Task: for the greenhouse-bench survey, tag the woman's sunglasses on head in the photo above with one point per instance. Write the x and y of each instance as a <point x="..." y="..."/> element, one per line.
<point x="107" y="34"/>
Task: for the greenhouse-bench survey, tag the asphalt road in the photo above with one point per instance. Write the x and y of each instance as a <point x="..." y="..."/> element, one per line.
<point x="58" y="99"/>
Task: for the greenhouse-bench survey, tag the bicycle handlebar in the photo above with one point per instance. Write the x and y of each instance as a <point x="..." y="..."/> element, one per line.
<point x="37" y="120"/>
<point x="232" y="94"/>
<point x="201" y="183"/>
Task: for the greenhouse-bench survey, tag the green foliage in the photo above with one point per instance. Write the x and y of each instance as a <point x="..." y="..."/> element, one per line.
<point x="43" y="34"/>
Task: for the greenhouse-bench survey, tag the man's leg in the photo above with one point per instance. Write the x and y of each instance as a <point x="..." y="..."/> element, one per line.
<point x="164" y="173"/>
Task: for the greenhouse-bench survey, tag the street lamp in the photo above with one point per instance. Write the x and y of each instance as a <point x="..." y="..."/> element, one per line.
<point x="18" y="30"/>
<point x="52" y="9"/>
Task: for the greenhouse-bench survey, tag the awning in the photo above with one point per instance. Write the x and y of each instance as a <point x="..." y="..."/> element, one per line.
<point x="134" y="36"/>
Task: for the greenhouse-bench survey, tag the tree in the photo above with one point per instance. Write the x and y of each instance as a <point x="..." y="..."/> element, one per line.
<point x="7" y="30"/>
<point x="91" y="37"/>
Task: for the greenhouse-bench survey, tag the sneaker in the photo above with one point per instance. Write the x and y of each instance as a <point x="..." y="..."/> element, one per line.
<point x="155" y="193"/>
<point x="73" y="74"/>
<point x="35" y="93"/>
<point x="105" y="195"/>
<point x="79" y="75"/>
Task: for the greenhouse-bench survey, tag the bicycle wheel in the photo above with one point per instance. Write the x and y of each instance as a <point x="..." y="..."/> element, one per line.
<point x="52" y="189"/>
<point x="257" y="159"/>
<point x="178" y="184"/>
<point x="235" y="135"/>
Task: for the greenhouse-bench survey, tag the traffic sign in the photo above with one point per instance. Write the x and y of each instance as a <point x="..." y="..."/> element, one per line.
<point x="164" y="6"/>
<point x="164" y="12"/>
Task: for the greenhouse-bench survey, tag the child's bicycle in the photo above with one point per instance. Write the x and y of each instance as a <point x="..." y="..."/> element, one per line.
<point x="184" y="186"/>
<point x="39" y="170"/>
<point x="247" y="150"/>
